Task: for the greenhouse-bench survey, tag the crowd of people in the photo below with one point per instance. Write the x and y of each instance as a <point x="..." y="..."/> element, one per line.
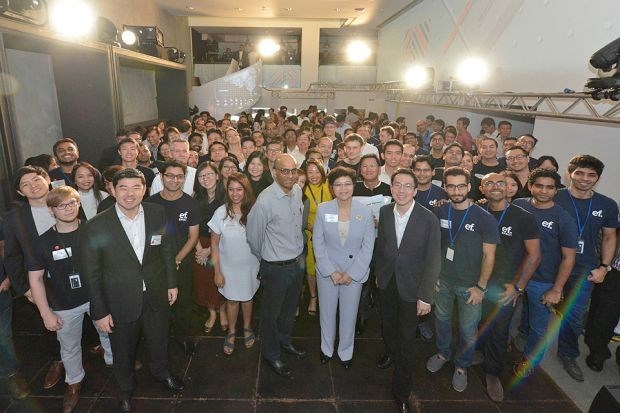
<point x="423" y="224"/>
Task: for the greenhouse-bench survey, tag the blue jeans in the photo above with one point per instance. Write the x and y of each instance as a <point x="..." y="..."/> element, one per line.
<point x="577" y="291"/>
<point x="469" y="317"/>
<point x="537" y="321"/>
<point x="8" y="360"/>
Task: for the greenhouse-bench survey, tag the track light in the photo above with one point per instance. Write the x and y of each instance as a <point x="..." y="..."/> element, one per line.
<point x="358" y="51"/>
<point x="472" y="71"/>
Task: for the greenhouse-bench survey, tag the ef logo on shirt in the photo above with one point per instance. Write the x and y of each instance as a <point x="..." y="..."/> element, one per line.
<point x="547" y="224"/>
<point x="598" y="213"/>
<point x="507" y="231"/>
<point x="183" y="216"/>
<point x="469" y="227"/>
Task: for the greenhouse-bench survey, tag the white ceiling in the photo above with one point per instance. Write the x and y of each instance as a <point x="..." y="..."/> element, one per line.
<point x="375" y="11"/>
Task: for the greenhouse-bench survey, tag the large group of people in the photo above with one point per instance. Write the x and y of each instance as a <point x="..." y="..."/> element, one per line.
<point x="423" y="225"/>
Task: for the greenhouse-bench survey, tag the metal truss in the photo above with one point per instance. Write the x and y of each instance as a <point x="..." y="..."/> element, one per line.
<point x="575" y="106"/>
<point x="363" y="87"/>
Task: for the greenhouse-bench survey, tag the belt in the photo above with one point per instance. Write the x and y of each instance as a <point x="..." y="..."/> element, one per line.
<point x="282" y="263"/>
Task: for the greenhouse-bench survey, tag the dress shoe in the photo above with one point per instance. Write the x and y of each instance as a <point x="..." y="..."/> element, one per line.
<point x="324" y="358"/>
<point x="124" y="402"/>
<point x="188" y="346"/>
<point x="594" y="363"/>
<point x="173" y="384"/>
<point x="54" y="374"/>
<point x="403" y="406"/>
<point x="296" y="351"/>
<point x="17" y="386"/>
<point x="347" y="363"/>
<point x="571" y="367"/>
<point x="71" y="398"/>
<point x="360" y="327"/>
<point x="280" y="368"/>
<point x="385" y="362"/>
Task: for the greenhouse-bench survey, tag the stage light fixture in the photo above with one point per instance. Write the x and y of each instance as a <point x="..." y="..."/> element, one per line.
<point x="107" y="32"/>
<point x="419" y="76"/>
<point x="268" y="47"/>
<point x="472" y="71"/>
<point x="129" y="38"/>
<point x="72" y="18"/>
<point x="358" y="51"/>
<point x="29" y="11"/>
<point x="175" y="55"/>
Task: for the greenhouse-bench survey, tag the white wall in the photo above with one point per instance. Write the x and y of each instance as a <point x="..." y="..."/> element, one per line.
<point x="564" y="139"/>
<point x="531" y="45"/>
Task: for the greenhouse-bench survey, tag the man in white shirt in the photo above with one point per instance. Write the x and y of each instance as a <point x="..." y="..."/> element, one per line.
<point x="180" y="153"/>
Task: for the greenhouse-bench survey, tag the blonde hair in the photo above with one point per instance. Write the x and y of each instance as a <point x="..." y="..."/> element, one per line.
<point x="57" y="195"/>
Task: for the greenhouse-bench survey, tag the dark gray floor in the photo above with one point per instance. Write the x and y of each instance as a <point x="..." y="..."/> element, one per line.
<point x="243" y="383"/>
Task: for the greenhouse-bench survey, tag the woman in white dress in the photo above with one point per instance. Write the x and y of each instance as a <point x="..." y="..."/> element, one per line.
<point x="234" y="264"/>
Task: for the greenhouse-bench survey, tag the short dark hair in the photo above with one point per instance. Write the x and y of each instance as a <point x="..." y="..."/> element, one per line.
<point x="25" y="170"/>
<point x="63" y="140"/>
<point x="248" y="139"/>
<point x="519" y="147"/>
<point x="440" y="122"/>
<point x="456" y="171"/>
<point x="504" y="122"/>
<point x="544" y="173"/>
<point x="44" y="161"/>
<point x="549" y="158"/>
<point x="389" y="130"/>
<point x="354" y="137"/>
<point x="464" y="120"/>
<point x="339" y="172"/>
<point x="405" y="171"/>
<point x="128" y="173"/>
<point x="531" y="136"/>
<point x="586" y="161"/>
<point x="487" y="122"/>
<point x="422" y="159"/>
<point x="215" y="130"/>
<point x="126" y="140"/>
<point x="172" y="164"/>
<point x="218" y="143"/>
<point x="370" y="156"/>
<point x="392" y="142"/>
<point x="454" y="145"/>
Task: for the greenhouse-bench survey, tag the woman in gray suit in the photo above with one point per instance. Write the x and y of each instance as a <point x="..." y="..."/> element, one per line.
<point x="343" y="239"/>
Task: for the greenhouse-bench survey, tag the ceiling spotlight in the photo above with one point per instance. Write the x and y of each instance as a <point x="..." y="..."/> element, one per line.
<point x="358" y="51"/>
<point x="472" y="71"/>
<point x="268" y="47"/>
<point x="129" y="38"/>
<point x="73" y="18"/>
<point x="419" y="76"/>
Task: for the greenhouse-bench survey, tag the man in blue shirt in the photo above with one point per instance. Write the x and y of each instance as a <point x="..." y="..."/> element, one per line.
<point x="596" y="216"/>
<point x="469" y="237"/>
<point x="558" y="238"/>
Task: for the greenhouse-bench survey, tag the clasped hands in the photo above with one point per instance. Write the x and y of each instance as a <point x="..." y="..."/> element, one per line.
<point x="341" y="278"/>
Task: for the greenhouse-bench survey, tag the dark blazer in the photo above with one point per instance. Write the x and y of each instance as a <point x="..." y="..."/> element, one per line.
<point x="114" y="275"/>
<point x="20" y="232"/>
<point x="417" y="262"/>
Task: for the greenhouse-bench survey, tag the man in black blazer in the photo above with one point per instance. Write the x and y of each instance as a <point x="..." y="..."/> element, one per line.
<point x="407" y="264"/>
<point x="128" y="266"/>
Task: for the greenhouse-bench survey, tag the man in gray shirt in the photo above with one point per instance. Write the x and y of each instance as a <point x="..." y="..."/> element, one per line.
<point x="275" y="236"/>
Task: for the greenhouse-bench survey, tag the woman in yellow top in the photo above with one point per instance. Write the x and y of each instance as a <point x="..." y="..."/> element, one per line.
<point x="315" y="192"/>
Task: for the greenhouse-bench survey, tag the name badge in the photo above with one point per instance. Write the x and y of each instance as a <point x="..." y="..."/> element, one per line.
<point x="60" y="182"/>
<point x="331" y="217"/>
<point x="580" y="246"/>
<point x="62" y="254"/>
<point x="74" y="281"/>
<point x="156" y="240"/>
<point x="444" y="223"/>
<point x="450" y="254"/>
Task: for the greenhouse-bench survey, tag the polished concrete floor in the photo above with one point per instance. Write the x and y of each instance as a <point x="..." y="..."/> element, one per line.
<point x="243" y="383"/>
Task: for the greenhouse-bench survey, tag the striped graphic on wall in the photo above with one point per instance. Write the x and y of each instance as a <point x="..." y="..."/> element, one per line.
<point x="416" y="43"/>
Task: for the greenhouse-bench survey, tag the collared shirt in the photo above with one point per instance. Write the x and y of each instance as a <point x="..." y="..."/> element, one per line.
<point x="400" y="222"/>
<point x="384" y="177"/>
<point x="134" y="229"/>
<point x="274" y="224"/>
<point x="188" y="185"/>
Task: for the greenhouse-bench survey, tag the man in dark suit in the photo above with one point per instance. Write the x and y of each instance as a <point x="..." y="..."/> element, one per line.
<point x="128" y="266"/>
<point x="407" y="264"/>
<point x="243" y="57"/>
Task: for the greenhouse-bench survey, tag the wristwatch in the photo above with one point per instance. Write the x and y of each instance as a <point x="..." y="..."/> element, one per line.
<point x="484" y="290"/>
<point x="517" y="289"/>
<point x="606" y="266"/>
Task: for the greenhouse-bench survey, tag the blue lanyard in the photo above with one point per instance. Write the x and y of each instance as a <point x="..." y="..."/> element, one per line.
<point x="428" y="194"/>
<point x="458" y="231"/>
<point x="501" y="217"/>
<point x="580" y="227"/>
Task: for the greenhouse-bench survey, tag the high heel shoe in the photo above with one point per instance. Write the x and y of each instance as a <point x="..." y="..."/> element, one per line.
<point x="324" y="358"/>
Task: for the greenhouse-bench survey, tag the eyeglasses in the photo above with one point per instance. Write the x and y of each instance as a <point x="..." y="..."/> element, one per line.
<point x="285" y="171"/>
<point x="206" y="175"/>
<point x="407" y="187"/>
<point x="452" y="187"/>
<point x="491" y="184"/>
<point x="274" y="150"/>
<point x="229" y="167"/>
<point x="516" y="157"/>
<point x="174" y="177"/>
<point x="70" y="204"/>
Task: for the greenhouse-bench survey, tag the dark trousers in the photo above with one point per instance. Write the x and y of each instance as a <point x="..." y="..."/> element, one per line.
<point x="125" y="337"/>
<point x="281" y="289"/>
<point x="493" y="336"/>
<point x="363" y="310"/>
<point x="183" y="308"/>
<point x="8" y="360"/>
<point x="603" y="315"/>
<point x="399" y="323"/>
